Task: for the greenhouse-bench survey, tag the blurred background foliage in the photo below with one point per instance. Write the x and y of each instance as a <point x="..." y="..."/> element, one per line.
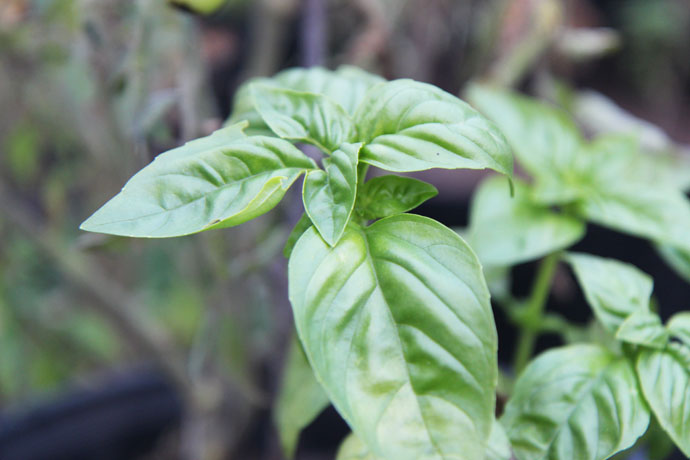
<point x="92" y="90"/>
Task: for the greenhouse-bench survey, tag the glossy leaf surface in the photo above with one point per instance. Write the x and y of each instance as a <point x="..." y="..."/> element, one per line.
<point x="329" y="196"/>
<point x="613" y="289"/>
<point x="396" y="322"/>
<point x="544" y="138"/>
<point x="577" y="403"/>
<point x="303" y="116"/>
<point x="300" y="399"/>
<point x="385" y="196"/>
<point x="643" y="328"/>
<point x="413" y="126"/>
<point x="507" y="230"/>
<point x="218" y="181"/>
<point x="665" y="380"/>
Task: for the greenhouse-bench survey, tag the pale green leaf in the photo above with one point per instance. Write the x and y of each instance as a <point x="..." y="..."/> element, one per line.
<point x="579" y="402"/>
<point x="678" y="259"/>
<point x="218" y="181"/>
<point x="507" y="230"/>
<point x="614" y="290"/>
<point x="643" y="328"/>
<point x="397" y="324"/>
<point x="346" y="87"/>
<point x="679" y="326"/>
<point x="329" y="196"/>
<point x="665" y="380"/>
<point x="300" y="399"/>
<point x="499" y="444"/>
<point x="544" y="138"/>
<point x="352" y="448"/>
<point x="413" y="126"/>
<point x="303" y="116"/>
<point x="385" y="196"/>
<point x="647" y="210"/>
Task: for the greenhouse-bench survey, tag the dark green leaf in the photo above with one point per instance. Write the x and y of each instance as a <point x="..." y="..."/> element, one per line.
<point x="507" y="230"/>
<point x="544" y="138"/>
<point x="412" y="126"/>
<point x="303" y="116"/>
<point x="329" y="196"/>
<point x="385" y="196"/>
<point x="579" y="402"/>
<point x="665" y="380"/>
<point x="396" y="322"/>
<point x="613" y="289"/>
<point x="643" y="328"/>
<point x="217" y="181"/>
<point x="300" y="400"/>
<point x="301" y="226"/>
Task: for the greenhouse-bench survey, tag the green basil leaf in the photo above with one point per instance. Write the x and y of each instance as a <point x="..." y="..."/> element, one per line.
<point x="643" y="328"/>
<point x="413" y="126"/>
<point x="300" y="399"/>
<point x="353" y="448"/>
<point x="499" y="444"/>
<point x="345" y="86"/>
<point x="678" y="259"/>
<point x="329" y="196"/>
<point x="302" y="225"/>
<point x="650" y="211"/>
<point x="303" y="116"/>
<point x="397" y="324"/>
<point x="218" y="181"/>
<point x="679" y="326"/>
<point x="665" y="380"/>
<point x="385" y="196"/>
<point x="545" y="139"/>
<point x="575" y="402"/>
<point x="507" y="230"/>
<point x="613" y="289"/>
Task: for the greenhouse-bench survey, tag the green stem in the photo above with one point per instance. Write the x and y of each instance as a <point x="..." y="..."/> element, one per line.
<point x="534" y="311"/>
<point x="362" y="169"/>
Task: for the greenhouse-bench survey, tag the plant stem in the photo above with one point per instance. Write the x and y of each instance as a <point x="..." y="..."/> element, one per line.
<point x="362" y="169"/>
<point x="534" y="311"/>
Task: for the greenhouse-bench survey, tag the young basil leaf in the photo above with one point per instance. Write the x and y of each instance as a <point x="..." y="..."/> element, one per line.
<point x="329" y="196"/>
<point x="643" y="328"/>
<point x="385" y="196"/>
<point x="613" y="289"/>
<point x="302" y="225"/>
<point x="679" y="326"/>
<point x="352" y="448"/>
<point x="300" y="399"/>
<point x="397" y="324"/>
<point x="678" y="259"/>
<point x="413" y="126"/>
<point x="665" y="380"/>
<point x="499" y="444"/>
<point x="545" y="139"/>
<point x="575" y="402"/>
<point x="507" y="230"/>
<point x="218" y="181"/>
<point x="345" y="86"/>
<point x="303" y="116"/>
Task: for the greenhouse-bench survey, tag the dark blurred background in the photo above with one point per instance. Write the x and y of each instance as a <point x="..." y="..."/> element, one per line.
<point x="115" y="348"/>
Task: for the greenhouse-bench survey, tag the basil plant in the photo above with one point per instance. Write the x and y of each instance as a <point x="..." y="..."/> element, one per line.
<point x="392" y="310"/>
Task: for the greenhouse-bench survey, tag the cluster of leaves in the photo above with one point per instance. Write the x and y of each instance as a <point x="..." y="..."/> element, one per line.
<point x="393" y="317"/>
